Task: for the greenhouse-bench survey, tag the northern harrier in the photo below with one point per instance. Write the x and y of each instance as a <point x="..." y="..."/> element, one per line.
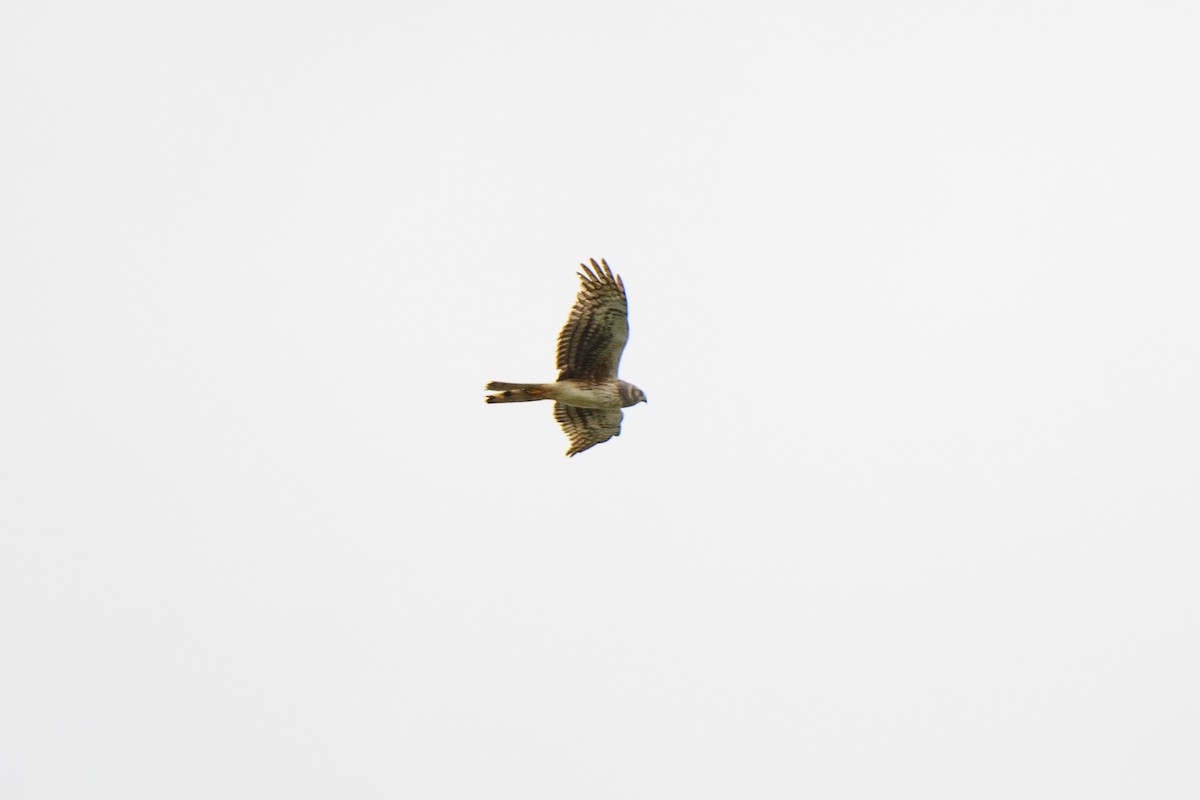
<point x="587" y="396"/>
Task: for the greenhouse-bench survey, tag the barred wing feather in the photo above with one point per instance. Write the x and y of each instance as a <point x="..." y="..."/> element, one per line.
<point x="587" y="427"/>
<point x="591" y="343"/>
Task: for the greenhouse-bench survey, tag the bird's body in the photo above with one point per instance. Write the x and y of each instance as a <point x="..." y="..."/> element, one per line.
<point x="578" y="393"/>
<point x="588" y="396"/>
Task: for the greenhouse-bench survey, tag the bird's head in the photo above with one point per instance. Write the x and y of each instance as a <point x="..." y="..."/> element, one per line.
<point x="631" y="395"/>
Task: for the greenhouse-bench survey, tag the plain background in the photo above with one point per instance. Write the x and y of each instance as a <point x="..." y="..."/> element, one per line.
<point x="912" y="511"/>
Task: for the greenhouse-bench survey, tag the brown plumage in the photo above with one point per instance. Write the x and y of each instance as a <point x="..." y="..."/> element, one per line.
<point x="588" y="395"/>
<point x="587" y="427"/>
<point x="591" y="343"/>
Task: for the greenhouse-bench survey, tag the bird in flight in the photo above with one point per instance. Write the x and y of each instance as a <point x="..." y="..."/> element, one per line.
<point x="588" y="396"/>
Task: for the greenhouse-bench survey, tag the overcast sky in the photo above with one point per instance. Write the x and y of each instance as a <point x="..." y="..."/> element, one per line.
<point x="912" y="511"/>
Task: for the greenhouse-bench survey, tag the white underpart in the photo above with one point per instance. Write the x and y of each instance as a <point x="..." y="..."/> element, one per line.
<point x="573" y="394"/>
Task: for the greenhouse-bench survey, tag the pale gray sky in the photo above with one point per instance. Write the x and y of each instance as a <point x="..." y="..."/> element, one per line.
<point x="912" y="511"/>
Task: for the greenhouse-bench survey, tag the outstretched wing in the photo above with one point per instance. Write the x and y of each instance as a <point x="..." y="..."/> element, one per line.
<point x="590" y="344"/>
<point x="586" y="427"/>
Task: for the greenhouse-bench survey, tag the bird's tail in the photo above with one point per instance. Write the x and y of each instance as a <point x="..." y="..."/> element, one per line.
<point x="516" y="392"/>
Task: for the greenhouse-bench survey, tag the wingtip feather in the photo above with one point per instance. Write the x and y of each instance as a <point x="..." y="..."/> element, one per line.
<point x="600" y="274"/>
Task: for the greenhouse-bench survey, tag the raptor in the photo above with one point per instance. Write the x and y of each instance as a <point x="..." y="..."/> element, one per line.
<point x="588" y="396"/>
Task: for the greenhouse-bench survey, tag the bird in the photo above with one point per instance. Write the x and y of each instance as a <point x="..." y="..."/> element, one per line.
<point x="588" y="396"/>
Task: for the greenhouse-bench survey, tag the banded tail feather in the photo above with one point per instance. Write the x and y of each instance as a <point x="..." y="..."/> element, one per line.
<point x="515" y="392"/>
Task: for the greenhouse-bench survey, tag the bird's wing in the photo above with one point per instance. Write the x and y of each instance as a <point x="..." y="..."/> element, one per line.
<point x="591" y="342"/>
<point x="587" y="427"/>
